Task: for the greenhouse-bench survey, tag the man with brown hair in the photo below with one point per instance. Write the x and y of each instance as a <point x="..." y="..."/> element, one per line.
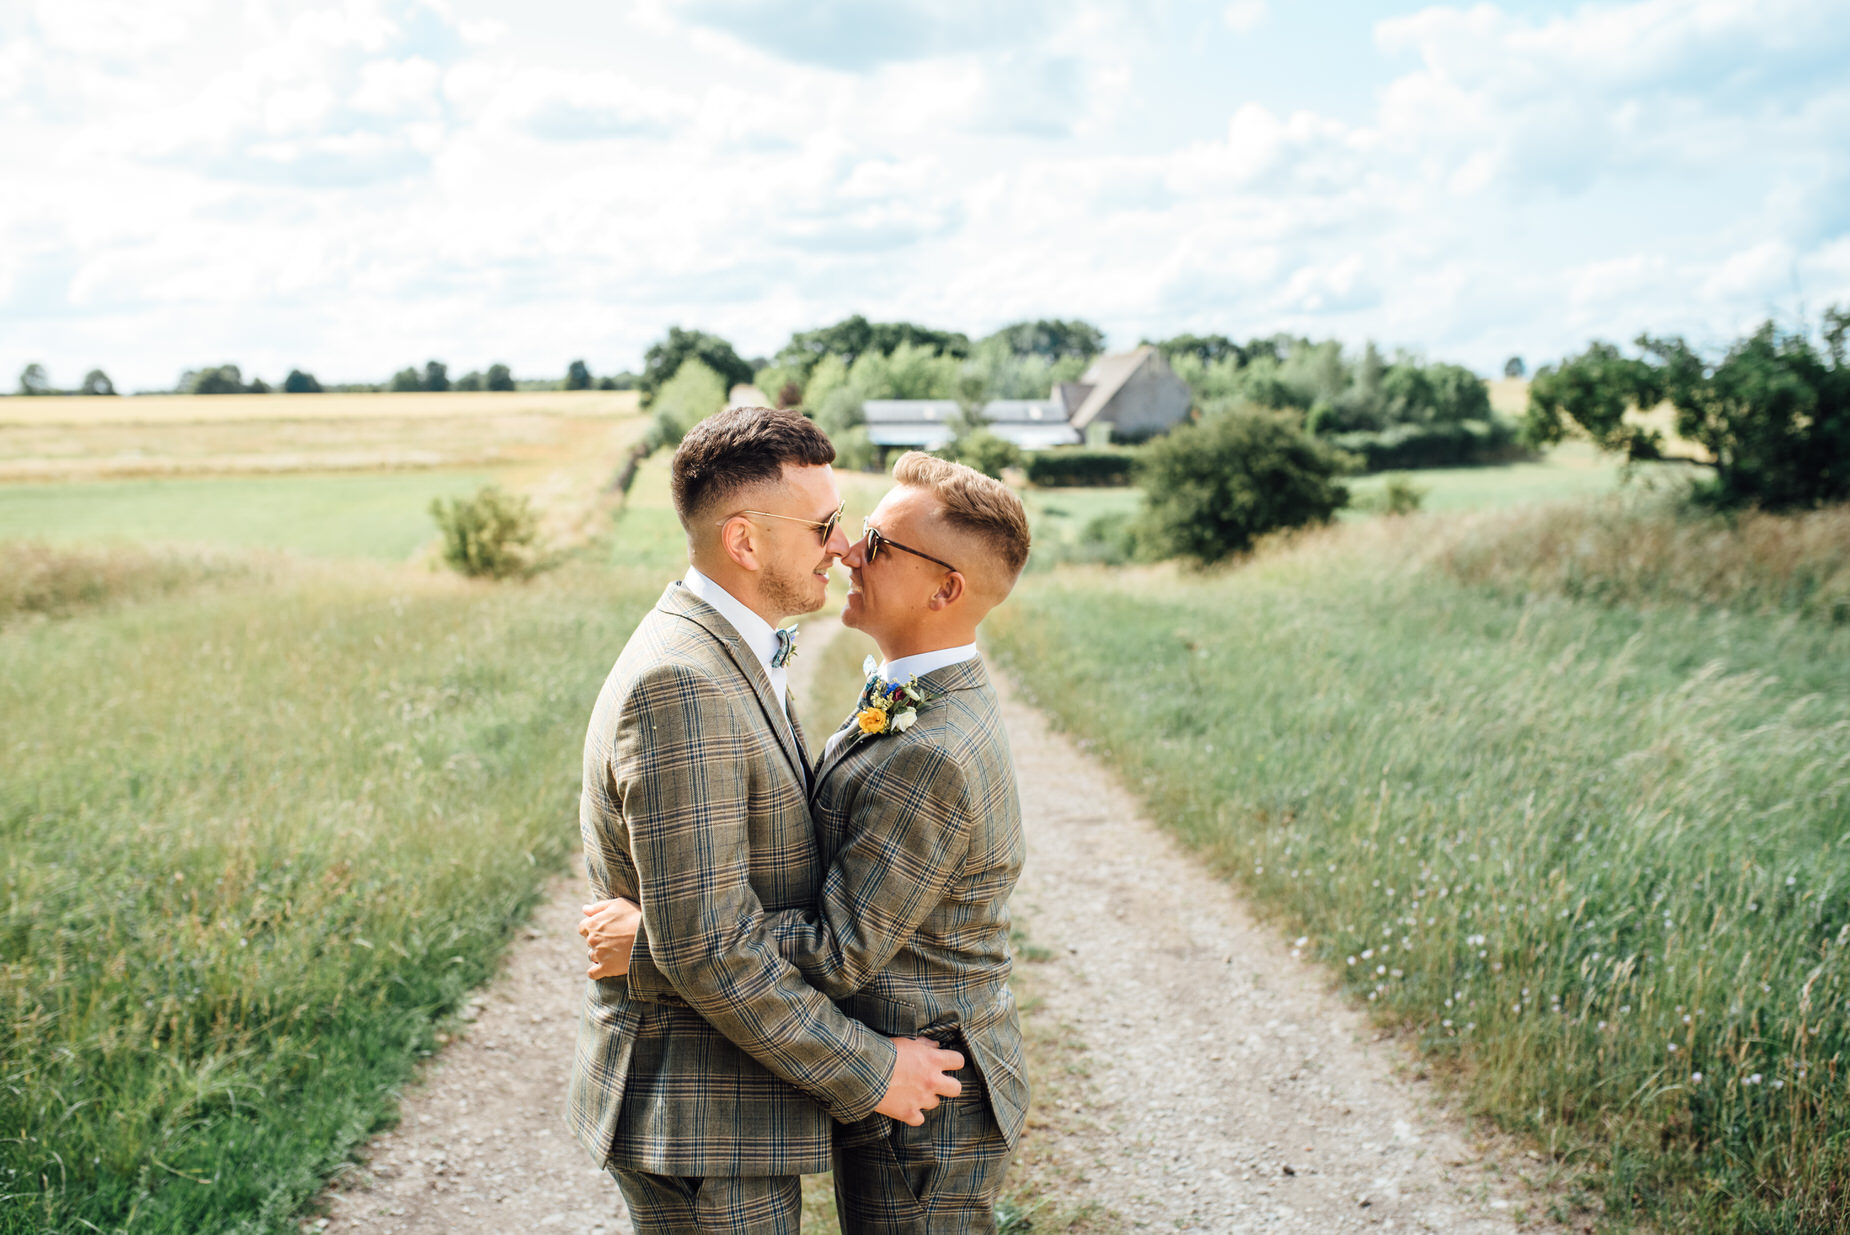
<point x="709" y="1080"/>
<point x="920" y="823"/>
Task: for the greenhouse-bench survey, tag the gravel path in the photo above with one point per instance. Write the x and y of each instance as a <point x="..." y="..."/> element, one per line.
<point x="1226" y="1088"/>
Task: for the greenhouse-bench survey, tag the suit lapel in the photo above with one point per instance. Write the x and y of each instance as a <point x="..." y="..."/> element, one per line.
<point x="679" y="601"/>
<point x="796" y="729"/>
<point x="964" y="675"/>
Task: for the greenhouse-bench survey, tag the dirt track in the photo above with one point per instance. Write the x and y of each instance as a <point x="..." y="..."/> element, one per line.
<point x="1224" y="1087"/>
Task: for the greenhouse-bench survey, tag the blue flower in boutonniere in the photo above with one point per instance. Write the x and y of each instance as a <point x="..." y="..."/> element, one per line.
<point x="887" y="707"/>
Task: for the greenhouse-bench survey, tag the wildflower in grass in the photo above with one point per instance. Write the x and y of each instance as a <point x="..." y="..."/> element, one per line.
<point x="1752" y="1080"/>
<point x="1695" y="1078"/>
<point x="1673" y="1048"/>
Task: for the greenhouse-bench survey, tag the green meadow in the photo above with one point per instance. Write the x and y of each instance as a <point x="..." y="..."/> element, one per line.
<point x="379" y="515"/>
<point x="258" y="842"/>
<point x="1591" y="857"/>
<point x="1567" y="811"/>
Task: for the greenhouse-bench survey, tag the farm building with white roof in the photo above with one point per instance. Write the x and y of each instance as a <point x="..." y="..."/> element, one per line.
<point x="1132" y="393"/>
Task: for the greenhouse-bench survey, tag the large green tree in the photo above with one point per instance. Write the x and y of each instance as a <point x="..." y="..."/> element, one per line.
<point x="664" y="359"/>
<point x="300" y="383"/>
<point x="32" y="380"/>
<point x="853" y="337"/>
<point x="1772" y="413"/>
<point x="499" y="378"/>
<point x="1051" y="338"/>
<point x="96" y="382"/>
<point x="225" y="379"/>
<point x="1207" y="348"/>
<point x="578" y="376"/>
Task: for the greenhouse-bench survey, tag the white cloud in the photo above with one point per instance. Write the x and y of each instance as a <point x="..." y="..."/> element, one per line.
<point x="361" y="185"/>
<point x="1244" y="15"/>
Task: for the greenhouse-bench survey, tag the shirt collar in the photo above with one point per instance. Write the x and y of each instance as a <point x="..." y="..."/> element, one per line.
<point x="758" y="634"/>
<point x="907" y="667"/>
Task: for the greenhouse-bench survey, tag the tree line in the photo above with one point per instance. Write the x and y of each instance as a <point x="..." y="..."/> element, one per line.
<point x="229" y="379"/>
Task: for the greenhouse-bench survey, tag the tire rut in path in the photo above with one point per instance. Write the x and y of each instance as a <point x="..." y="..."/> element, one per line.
<point x="1216" y="1059"/>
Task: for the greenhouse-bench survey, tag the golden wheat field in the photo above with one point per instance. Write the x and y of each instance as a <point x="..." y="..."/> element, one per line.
<point x="75" y="439"/>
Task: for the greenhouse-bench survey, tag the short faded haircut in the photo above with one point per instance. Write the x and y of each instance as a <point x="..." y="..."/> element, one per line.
<point x="736" y="449"/>
<point x="972" y="503"/>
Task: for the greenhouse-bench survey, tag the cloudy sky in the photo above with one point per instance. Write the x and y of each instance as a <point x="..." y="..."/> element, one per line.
<point x="353" y="187"/>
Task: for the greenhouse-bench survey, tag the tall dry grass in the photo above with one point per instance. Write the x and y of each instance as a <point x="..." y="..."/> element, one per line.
<point x="255" y="842"/>
<point x="1641" y="553"/>
<point x="57" y="580"/>
<point x="1592" y="855"/>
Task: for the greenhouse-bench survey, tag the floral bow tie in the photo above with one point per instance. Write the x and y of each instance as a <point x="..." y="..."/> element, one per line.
<point x="786" y="646"/>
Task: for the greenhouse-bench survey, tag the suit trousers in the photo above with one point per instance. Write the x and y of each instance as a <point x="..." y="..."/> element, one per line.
<point x="716" y="1205"/>
<point x="941" y="1178"/>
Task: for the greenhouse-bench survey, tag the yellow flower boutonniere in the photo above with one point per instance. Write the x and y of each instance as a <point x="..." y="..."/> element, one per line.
<point x="887" y="707"/>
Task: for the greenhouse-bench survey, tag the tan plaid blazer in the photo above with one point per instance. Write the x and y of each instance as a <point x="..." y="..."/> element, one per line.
<point x="716" y="1058"/>
<point x="922" y="834"/>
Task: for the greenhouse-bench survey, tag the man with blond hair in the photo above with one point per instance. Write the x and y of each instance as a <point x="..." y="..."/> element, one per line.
<point x="919" y="821"/>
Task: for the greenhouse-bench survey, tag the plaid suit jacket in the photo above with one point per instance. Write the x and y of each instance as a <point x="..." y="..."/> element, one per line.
<point x="718" y="1058"/>
<point x="922" y="834"/>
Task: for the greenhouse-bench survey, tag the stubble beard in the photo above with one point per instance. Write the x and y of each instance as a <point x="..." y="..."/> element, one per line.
<point x="790" y="592"/>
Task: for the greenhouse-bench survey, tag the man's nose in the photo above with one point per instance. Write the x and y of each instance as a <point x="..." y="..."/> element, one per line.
<point x="855" y="556"/>
<point x="837" y="545"/>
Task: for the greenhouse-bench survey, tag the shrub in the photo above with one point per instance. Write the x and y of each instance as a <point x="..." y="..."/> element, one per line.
<point x="855" y="451"/>
<point x="1465" y="444"/>
<point x="492" y="534"/>
<point x="984" y="451"/>
<point x="1398" y="496"/>
<point x="1214" y="487"/>
<point x="689" y="397"/>
<point x="839" y="411"/>
<point x="1078" y="467"/>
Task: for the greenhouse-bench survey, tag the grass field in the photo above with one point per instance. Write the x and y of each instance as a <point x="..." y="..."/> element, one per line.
<point x="257" y="841"/>
<point x="384" y="515"/>
<point x="1572" y="470"/>
<point x="261" y="835"/>
<point x="1589" y="854"/>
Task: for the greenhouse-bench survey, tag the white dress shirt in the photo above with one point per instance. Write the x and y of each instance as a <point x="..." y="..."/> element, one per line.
<point x="903" y="669"/>
<point x="925" y="662"/>
<point x="758" y="634"/>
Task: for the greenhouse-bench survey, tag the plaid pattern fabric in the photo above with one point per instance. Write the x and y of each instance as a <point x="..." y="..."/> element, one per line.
<point x="717" y="1205"/>
<point x="922" y="834"/>
<point x="939" y="1179"/>
<point x="713" y="1057"/>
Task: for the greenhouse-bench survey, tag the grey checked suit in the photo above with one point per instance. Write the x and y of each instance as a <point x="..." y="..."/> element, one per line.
<point x="716" y="1058"/>
<point x="922" y="834"/>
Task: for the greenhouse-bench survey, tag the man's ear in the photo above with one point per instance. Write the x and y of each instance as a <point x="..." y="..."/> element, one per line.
<point x="738" y="540"/>
<point x="949" y="592"/>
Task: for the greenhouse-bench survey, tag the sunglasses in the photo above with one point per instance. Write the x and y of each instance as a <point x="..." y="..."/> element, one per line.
<point x="876" y="541"/>
<point x="826" y="527"/>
